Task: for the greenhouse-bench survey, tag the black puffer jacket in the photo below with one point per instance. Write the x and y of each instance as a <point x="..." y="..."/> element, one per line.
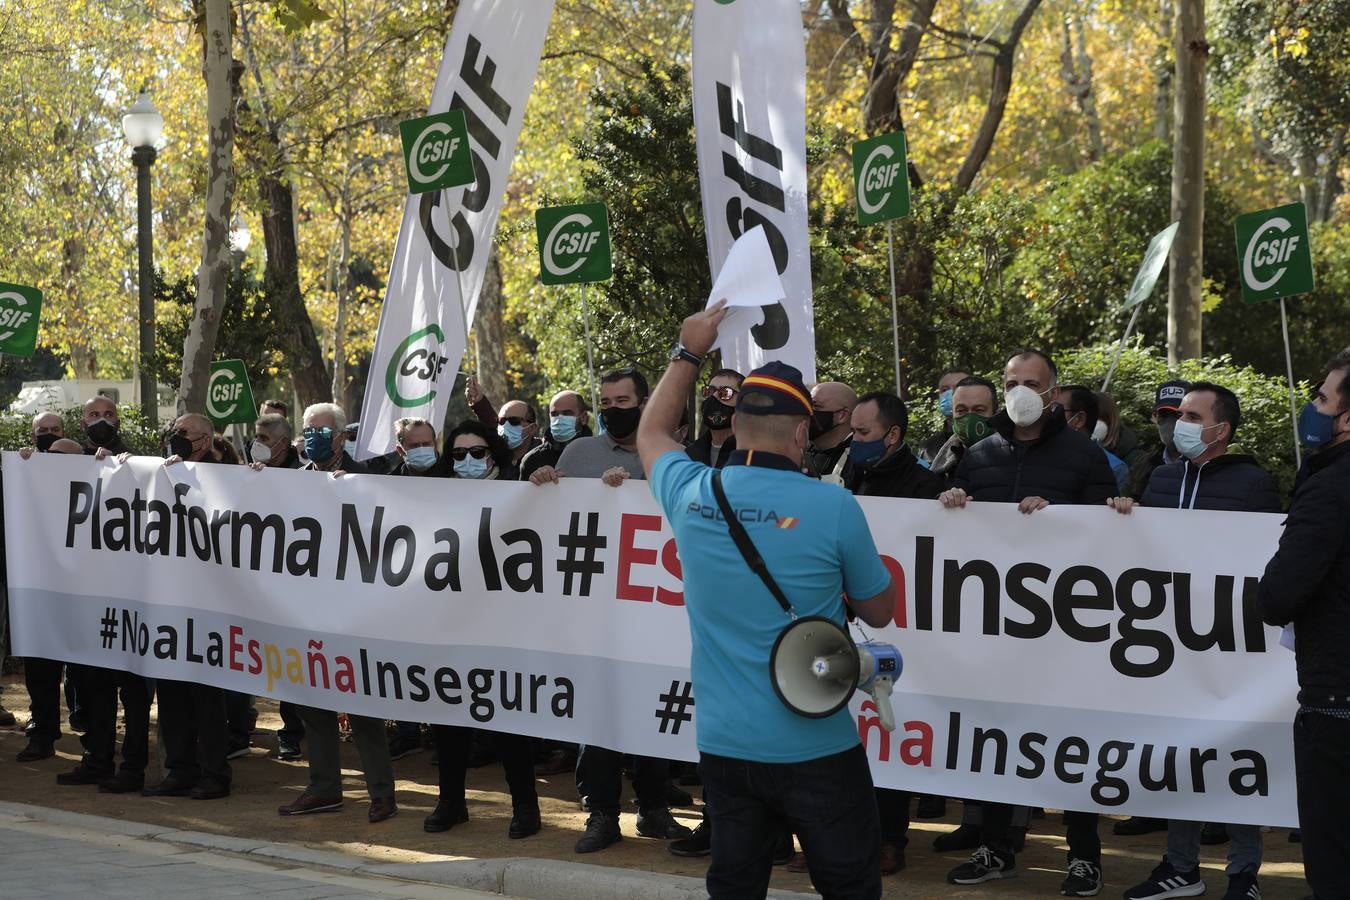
<point x="701" y="450"/>
<point x="1062" y="466"/>
<point x="1231" y="482"/>
<point x="1307" y="582"/>
<point x="899" y="475"/>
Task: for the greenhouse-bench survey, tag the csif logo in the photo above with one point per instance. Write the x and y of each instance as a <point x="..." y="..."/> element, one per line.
<point x="573" y="244"/>
<point x="880" y="177"/>
<point x="416" y="367"/>
<point x="436" y="152"/>
<point x="20" y="307"/>
<point x="229" y="399"/>
<point x="1276" y="258"/>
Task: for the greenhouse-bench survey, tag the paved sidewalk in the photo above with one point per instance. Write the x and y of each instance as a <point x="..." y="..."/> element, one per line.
<point x="52" y="859"/>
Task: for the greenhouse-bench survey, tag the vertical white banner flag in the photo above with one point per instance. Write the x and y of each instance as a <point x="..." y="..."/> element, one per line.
<point x="489" y="65"/>
<point x="750" y="124"/>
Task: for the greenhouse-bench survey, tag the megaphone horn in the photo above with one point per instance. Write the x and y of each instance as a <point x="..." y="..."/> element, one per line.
<point x="815" y="668"/>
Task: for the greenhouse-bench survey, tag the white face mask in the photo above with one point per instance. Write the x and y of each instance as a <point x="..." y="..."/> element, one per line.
<point x="1099" y="431"/>
<point x="260" y="452"/>
<point x="1024" y="405"/>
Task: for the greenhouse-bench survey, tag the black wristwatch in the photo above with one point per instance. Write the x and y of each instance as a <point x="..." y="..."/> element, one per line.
<point x="681" y="352"/>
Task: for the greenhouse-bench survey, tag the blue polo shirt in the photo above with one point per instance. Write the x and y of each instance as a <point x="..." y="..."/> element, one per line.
<point x="816" y="544"/>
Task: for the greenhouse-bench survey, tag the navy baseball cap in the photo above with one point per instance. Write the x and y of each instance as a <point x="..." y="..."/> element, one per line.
<point x="1169" y="394"/>
<point x="780" y="383"/>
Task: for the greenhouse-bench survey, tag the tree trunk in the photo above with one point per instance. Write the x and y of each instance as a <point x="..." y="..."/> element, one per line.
<point x="1076" y="67"/>
<point x="344" y="296"/>
<point x="1186" y="275"/>
<point x="1162" y="75"/>
<point x="489" y="335"/>
<point x="222" y="84"/>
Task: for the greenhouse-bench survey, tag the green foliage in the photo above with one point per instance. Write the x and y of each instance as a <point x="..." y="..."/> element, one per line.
<point x="294" y="16"/>
<point x="17" y="431"/>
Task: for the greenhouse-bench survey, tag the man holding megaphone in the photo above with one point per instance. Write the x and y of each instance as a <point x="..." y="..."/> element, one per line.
<point x="800" y="545"/>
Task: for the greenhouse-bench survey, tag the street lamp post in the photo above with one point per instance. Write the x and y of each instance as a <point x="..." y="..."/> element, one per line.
<point x="143" y="126"/>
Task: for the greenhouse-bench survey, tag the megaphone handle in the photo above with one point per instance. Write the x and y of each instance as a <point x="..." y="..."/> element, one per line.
<point x="881" y="694"/>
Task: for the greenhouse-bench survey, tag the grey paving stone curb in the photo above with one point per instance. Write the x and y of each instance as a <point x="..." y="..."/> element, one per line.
<point x="539" y="879"/>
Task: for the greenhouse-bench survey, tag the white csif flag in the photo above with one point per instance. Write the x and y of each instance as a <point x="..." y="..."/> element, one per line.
<point x="488" y="69"/>
<point x="750" y="125"/>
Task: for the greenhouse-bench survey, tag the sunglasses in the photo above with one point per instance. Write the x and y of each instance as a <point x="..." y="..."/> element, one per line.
<point x="459" y="453"/>
<point x="723" y="394"/>
<point x="317" y="432"/>
<point x="514" y="420"/>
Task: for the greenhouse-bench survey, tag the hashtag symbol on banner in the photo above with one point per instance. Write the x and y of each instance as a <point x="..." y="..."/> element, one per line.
<point x="587" y="543"/>
<point x="675" y="705"/>
<point x="109" y="630"/>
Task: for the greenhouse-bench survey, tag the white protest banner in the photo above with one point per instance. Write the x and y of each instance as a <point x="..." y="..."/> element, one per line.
<point x="488" y="68"/>
<point x="1073" y="659"/>
<point x="750" y="128"/>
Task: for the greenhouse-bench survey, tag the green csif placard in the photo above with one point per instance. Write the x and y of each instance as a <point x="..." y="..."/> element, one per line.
<point x="436" y="152"/>
<point x="20" y="308"/>
<point x="1274" y="256"/>
<point x="881" y="178"/>
<point x="229" y="399"/>
<point x="574" y="243"/>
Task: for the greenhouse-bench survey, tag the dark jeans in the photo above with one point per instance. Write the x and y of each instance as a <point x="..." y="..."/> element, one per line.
<point x="893" y="807"/>
<point x="1322" y="768"/>
<point x="42" y="677"/>
<point x="292" y="728"/>
<point x="600" y="779"/>
<point x="193" y="725"/>
<point x="101" y="691"/>
<point x="241" y="716"/>
<point x="453" y="744"/>
<point x="1080" y="832"/>
<point x="828" y="802"/>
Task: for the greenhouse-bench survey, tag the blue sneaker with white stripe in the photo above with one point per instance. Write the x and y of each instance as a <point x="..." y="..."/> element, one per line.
<point x="1165" y="882"/>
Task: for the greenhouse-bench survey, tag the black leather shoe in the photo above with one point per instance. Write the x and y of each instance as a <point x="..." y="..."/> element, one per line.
<point x="210" y="789"/>
<point x="931" y="807"/>
<point x="524" y="822"/>
<point x="82" y="774"/>
<point x="445" y="816"/>
<point x="601" y="831"/>
<point x="659" y="823"/>
<point x="700" y="844"/>
<point x="36" y="749"/>
<point x="172" y="786"/>
<point x="122" y="783"/>
<point x="965" y="837"/>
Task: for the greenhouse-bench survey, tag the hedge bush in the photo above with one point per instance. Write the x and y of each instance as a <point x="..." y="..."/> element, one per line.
<point x="17" y="431"/>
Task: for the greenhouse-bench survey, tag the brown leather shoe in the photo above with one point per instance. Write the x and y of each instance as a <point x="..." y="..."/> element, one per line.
<point x="382" y="808"/>
<point x="892" y="859"/>
<point x="798" y="864"/>
<point x="307" y="803"/>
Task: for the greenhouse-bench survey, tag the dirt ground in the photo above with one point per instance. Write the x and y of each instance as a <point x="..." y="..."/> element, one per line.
<point x="262" y="782"/>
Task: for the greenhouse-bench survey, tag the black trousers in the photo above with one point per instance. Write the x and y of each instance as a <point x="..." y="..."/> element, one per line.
<point x="100" y="690"/>
<point x="1322" y="768"/>
<point x="241" y="716"/>
<point x="193" y="725"/>
<point x="516" y="752"/>
<point x="292" y="728"/>
<point x="829" y="803"/>
<point x="42" y="677"/>
<point x="893" y="807"/>
<point x="600" y="779"/>
<point x="1080" y="831"/>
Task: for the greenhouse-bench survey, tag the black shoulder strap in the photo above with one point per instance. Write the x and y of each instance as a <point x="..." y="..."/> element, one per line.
<point x="746" y="546"/>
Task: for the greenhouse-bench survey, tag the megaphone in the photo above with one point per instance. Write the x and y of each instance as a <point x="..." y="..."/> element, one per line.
<point x="815" y="668"/>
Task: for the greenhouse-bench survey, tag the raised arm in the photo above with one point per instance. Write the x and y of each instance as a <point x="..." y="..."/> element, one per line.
<point x="662" y="414"/>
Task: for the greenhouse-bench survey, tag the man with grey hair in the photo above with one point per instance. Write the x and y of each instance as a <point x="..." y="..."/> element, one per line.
<point x="325" y="437"/>
<point x="48" y="428"/>
<point x="272" y="445"/>
<point x="415" y="445"/>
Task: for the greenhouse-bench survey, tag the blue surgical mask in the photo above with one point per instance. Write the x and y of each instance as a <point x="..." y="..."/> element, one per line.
<point x="319" y="445"/>
<point x="1315" y="427"/>
<point x="514" y="434"/>
<point x="468" y="467"/>
<point x="1186" y="436"/>
<point x="867" y="453"/>
<point x="420" y="459"/>
<point x="563" y="428"/>
<point x="945" y="403"/>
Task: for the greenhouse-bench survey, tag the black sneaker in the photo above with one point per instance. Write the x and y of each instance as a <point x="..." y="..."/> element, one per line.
<point x="1165" y="881"/>
<point x="1242" y="886"/>
<point x="659" y="823"/>
<point x="400" y="747"/>
<point x="601" y="831"/>
<point x="699" y="844"/>
<point x="288" y="751"/>
<point x="37" y="749"/>
<point x="984" y="865"/>
<point x="1084" y="879"/>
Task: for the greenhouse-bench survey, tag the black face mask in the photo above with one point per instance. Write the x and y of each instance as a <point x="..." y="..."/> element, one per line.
<point x="620" y="423"/>
<point x="716" y="414"/>
<point x="821" y="422"/>
<point x="102" y="433"/>
<point x="180" y="446"/>
<point x="44" y="442"/>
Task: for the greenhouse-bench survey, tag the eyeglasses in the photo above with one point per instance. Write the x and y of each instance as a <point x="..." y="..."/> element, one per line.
<point x="459" y="453"/>
<point x="311" y="431"/>
<point x="724" y="394"/>
<point x="513" y="420"/>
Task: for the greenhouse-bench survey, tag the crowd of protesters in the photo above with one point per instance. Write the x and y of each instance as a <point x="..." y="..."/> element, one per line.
<point x="1028" y="440"/>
